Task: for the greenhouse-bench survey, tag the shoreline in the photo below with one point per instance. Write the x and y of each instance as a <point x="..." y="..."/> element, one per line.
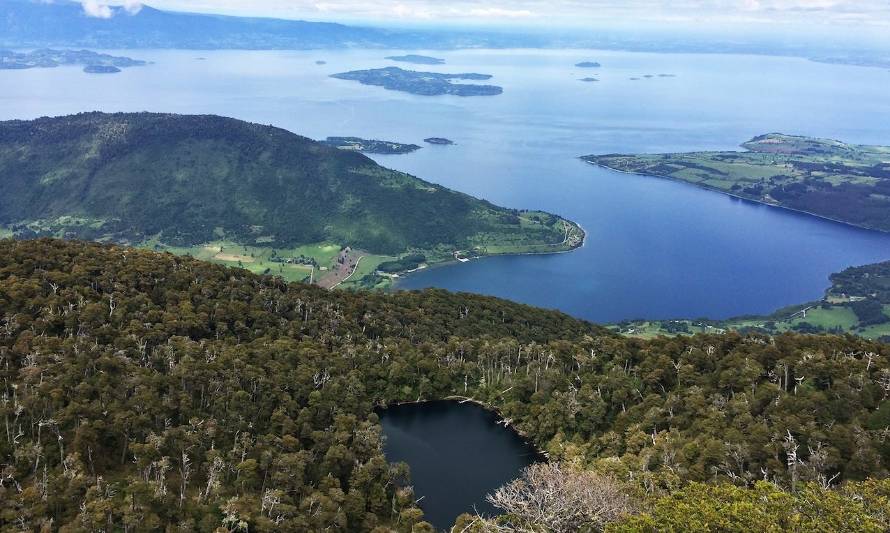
<point x="736" y="196"/>
<point x="453" y="262"/>
<point x="506" y="422"/>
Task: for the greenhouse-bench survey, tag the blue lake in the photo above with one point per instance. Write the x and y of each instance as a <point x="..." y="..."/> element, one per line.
<point x="457" y="453"/>
<point x="655" y="248"/>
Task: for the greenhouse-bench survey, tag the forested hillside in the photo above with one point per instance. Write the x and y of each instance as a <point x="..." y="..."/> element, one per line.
<point x="186" y="180"/>
<point x="140" y="391"/>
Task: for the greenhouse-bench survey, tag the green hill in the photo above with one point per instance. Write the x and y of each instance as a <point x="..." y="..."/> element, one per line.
<point x="187" y="180"/>
<point x="142" y="391"/>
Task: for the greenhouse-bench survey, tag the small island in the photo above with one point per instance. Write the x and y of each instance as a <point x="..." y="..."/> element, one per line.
<point x="321" y="62"/>
<point x="588" y="64"/>
<point x="588" y="80"/>
<point x="439" y="140"/>
<point x="417" y="59"/>
<point x="848" y="183"/>
<point x="370" y="146"/>
<point x="101" y="69"/>
<point x="94" y="62"/>
<point x="422" y="83"/>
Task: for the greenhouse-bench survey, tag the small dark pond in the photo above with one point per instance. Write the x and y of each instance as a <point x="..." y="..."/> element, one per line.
<point x="457" y="454"/>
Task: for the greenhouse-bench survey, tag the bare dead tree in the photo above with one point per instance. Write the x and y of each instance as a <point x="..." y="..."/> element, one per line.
<point x="559" y="499"/>
<point x="791" y="446"/>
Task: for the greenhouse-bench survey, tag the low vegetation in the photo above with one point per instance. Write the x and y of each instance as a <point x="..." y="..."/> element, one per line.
<point x="554" y="498"/>
<point x="143" y="391"/>
<point x="370" y="146"/>
<point x="858" y="302"/>
<point x="845" y="182"/>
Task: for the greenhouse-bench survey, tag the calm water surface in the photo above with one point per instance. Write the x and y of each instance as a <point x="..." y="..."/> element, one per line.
<point x="655" y="248"/>
<point x="457" y="454"/>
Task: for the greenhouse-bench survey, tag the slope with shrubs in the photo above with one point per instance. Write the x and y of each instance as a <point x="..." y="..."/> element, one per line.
<point x="141" y="391"/>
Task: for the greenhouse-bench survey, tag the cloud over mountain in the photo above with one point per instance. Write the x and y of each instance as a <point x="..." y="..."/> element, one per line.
<point x="103" y="10"/>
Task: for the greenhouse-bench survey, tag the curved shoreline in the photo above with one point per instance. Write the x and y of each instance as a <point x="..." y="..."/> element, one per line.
<point x="454" y="262"/>
<point x="506" y="422"/>
<point x="732" y="195"/>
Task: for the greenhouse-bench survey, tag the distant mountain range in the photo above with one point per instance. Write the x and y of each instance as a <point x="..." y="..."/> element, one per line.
<point x="27" y="23"/>
<point x="24" y="23"/>
<point x="63" y="23"/>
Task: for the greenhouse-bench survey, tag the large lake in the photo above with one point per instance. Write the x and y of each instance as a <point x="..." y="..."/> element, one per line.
<point x="457" y="453"/>
<point x="655" y="248"/>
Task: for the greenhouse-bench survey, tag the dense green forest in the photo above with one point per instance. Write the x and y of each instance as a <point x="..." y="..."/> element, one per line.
<point x="845" y="182"/>
<point x="141" y="390"/>
<point x="187" y="180"/>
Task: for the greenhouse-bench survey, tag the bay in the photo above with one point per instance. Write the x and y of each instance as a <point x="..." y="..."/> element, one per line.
<point x="655" y="249"/>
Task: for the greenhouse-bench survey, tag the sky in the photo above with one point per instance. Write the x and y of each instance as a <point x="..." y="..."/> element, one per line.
<point x="532" y="13"/>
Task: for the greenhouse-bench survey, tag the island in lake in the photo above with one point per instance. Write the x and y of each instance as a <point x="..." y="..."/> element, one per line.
<point x="848" y="183"/>
<point x="422" y="83"/>
<point x="588" y="80"/>
<point x="439" y="140"/>
<point x="46" y="58"/>
<point x="588" y="64"/>
<point x="321" y="62"/>
<point x="370" y="146"/>
<point x="101" y="69"/>
<point x="417" y="59"/>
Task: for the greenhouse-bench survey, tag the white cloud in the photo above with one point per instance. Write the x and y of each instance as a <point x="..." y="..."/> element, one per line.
<point x="554" y="11"/>
<point x="132" y="7"/>
<point x="498" y="12"/>
<point x="102" y="10"/>
<point x="97" y="9"/>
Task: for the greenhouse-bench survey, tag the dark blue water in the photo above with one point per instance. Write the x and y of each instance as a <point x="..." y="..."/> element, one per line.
<point x="457" y="454"/>
<point x="655" y="249"/>
<point x="660" y="249"/>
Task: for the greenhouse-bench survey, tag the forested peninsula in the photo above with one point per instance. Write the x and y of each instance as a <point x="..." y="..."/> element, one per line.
<point x="247" y="195"/>
<point x="93" y="62"/>
<point x="143" y="391"/>
<point x="848" y="183"/>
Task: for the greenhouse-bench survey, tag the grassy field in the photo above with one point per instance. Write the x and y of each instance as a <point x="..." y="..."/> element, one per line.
<point x="845" y="182"/>
<point x="514" y="232"/>
<point x="257" y="259"/>
<point x="564" y="236"/>
<point x="313" y="262"/>
<point x="261" y="259"/>
<point x="367" y="267"/>
<point x="821" y="317"/>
